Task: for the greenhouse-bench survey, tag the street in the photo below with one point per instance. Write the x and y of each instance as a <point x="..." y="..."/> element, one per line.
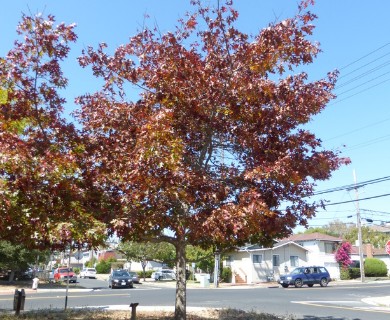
<point x="334" y="302"/>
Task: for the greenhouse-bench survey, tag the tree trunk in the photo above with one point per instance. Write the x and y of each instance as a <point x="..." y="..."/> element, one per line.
<point x="180" y="303"/>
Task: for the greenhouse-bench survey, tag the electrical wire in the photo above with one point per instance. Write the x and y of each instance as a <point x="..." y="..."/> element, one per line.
<point x="353" y="186"/>
<point x="365" y="56"/>
<point x="361" y="199"/>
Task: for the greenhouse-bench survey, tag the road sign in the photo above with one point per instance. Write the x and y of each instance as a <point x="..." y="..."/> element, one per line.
<point x="78" y="255"/>
<point x="388" y="247"/>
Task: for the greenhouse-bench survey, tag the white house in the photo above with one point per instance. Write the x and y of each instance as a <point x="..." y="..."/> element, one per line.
<point x="321" y="250"/>
<point x="253" y="263"/>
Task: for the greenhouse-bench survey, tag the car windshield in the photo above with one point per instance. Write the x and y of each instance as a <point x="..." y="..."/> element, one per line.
<point x="120" y="273"/>
<point x="297" y="271"/>
<point x="64" y="270"/>
<point x="93" y="270"/>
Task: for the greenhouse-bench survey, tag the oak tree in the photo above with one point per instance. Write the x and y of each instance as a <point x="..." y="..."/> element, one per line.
<point x="213" y="151"/>
<point x="46" y="200"/>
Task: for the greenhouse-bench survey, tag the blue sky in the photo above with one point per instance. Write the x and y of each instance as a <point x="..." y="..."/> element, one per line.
<point x="354" y="37"/>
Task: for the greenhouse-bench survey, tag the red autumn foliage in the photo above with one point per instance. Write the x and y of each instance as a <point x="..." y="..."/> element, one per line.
<point x="213" y="151"/>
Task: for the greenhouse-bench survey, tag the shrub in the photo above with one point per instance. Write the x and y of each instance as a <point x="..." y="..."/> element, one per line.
<point x="91" y="263"/>
<point x="375" y="268"/>
<point x="76" y="270"/>
<point x="226" y="274"/>
<point x="354" y="273"/>
<point x="148" y="273"/>
<point x="104" y="266"/>
<point x="345" y="274"/>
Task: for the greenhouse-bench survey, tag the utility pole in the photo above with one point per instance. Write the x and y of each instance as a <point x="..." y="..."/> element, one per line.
<point x="359" y="226"/>
<point x="216" y="268"/>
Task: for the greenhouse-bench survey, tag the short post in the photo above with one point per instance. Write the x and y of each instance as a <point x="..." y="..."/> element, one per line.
<point x="19" y="298"/>
<point x="134" y="310"/>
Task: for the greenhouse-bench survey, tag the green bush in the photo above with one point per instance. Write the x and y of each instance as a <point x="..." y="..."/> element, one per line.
<point x="148" y="273"/>
<point x="345" y="274"/>
<point x="104" y="266"/>
<point x="354" y="273"/>
<point x="375" y="268"/>
<point x="91" y="263"/>
<point x="76" y="270"/>
<point x="226" y="274"/>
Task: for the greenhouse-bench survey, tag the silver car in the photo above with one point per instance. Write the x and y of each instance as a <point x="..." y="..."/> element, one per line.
<point x="164" y="274"/>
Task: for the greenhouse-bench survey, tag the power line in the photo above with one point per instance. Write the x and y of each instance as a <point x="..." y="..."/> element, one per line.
<point x="361" y="199"/>
<point x="364" y="83"/>
<point x="361" y="58"/>
<point x="365" y="65"/>
<point x="352" y="95"/>
<point x="357" y="130"/>
<point x="362" y="75"/>
<point x="353" y="186"/>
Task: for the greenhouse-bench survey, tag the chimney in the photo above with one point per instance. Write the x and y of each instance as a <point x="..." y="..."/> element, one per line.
<point x="369" y="250"/>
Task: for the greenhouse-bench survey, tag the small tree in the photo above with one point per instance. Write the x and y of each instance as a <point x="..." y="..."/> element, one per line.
<point x="343" y="255"/>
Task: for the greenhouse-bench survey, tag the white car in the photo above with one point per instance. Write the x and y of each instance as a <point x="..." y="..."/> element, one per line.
<point x="164" y="274"/>
<point x="88" y="273"/>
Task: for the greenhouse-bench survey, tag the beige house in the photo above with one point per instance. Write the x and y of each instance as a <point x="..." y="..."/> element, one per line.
<point x="254" y="264"/>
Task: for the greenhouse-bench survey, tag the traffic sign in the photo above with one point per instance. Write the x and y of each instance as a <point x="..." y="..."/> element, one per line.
<point x="78" y="255"/>
<point x="388" y="247"/>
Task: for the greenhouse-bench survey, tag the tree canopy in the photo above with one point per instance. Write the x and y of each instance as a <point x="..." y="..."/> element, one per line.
<point x="213" y="152"/>
<point x="46" y="200"/>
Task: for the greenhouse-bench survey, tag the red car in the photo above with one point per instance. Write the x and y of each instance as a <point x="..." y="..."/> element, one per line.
<point x="62" y="274"/>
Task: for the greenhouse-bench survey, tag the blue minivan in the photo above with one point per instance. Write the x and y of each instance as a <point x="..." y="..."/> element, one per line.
<point x="306" y="276"/>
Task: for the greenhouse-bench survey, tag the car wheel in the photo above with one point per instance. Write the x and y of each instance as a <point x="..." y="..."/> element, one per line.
<point x="298" y="283"/>
<point x="160" y="278"/>
<point x="284" y="285"/>
<point x="324" y="282"/>
<point x="310" y="285"/>
<point x="131" y="286"/>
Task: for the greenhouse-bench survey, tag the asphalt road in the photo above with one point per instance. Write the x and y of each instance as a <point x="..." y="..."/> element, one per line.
<point x="335" y="302"/>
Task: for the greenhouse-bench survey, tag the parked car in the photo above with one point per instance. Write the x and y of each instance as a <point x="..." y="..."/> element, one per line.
<point x="88" y="273"/>
<point x="134" y="276"/>
<point x="164" y="274"/>
<point x="306" y="276"/>
<point x="120" y="279"/>
<point x="63" y="273"/>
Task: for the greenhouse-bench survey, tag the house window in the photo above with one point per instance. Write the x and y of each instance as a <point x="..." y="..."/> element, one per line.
<point x="294" y="261"/>
<point x="257" y="258"/>
<point x="228" y="261"/>
<point x="275" y="260"/>
<point x="330" y="247"/>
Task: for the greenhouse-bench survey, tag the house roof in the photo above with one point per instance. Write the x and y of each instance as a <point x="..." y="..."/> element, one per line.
<point x="256" y="247"/>
<point x="310" y="237"/>
<point x="366" y="248"/>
